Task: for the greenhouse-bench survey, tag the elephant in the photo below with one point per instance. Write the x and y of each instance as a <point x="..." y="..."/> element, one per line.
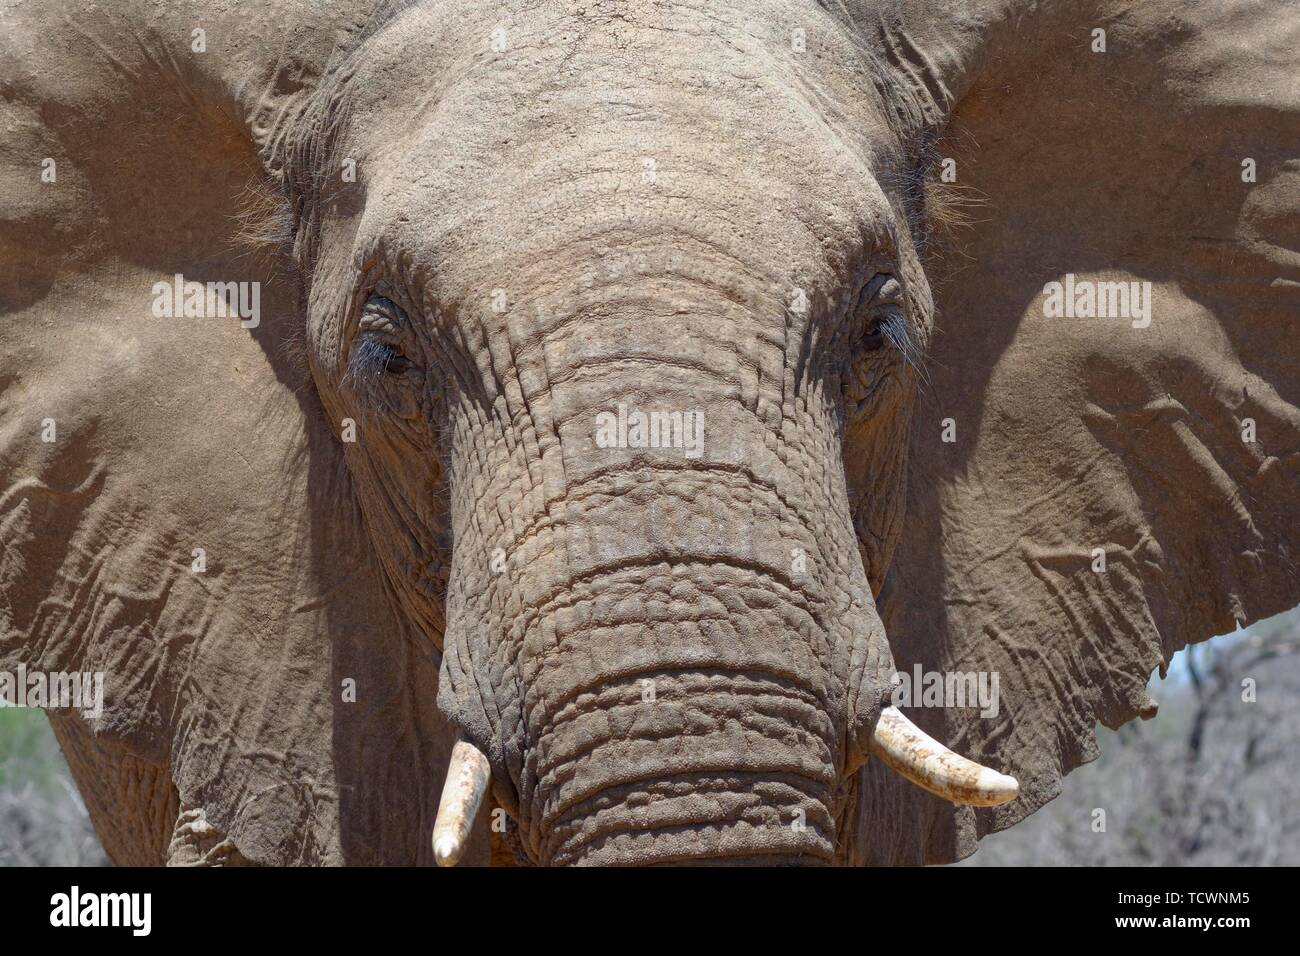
<point x="551" y="432"/>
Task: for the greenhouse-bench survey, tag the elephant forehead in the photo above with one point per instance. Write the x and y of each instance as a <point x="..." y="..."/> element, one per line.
<point x="587" y="134"/>
<point x="673" y="57"/>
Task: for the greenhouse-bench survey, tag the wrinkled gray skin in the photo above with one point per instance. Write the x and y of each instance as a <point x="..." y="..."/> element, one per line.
<point x="674" y="206"/>
<point x="667" y="290"/>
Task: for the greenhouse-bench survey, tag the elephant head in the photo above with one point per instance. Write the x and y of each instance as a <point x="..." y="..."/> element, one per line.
<point x="624" y="379"/>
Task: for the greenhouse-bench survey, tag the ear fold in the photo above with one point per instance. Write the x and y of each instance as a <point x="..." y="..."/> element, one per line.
<point x="174" y="507"/>
<point x="1118" y="487"/>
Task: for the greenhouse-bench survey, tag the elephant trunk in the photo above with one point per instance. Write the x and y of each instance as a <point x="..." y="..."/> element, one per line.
<point x="679" y="712"/>
<point x="668" y="651"/>
<point x="670" y="671"/>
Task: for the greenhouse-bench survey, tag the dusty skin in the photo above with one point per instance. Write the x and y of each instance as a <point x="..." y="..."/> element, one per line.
<point x="313" y="537"/>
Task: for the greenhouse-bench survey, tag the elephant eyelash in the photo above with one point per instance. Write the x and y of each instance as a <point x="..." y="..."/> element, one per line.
<point x="894" y="330"/>
<point x="372" y="361"/>
<point x="886" y="323"/>
<point x="376" y="355"/>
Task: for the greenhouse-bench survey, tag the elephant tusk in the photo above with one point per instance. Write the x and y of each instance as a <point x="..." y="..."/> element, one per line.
<point x="468" y="774"/>
<point x="931" y="766"/>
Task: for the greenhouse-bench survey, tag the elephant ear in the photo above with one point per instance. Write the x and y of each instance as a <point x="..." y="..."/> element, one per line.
<point x="1088" y="495"/>
<point x="174" y="512"/>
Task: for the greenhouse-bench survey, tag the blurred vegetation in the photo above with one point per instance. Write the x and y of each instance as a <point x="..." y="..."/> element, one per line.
<point x="42" y="819"/>
<point x="1212" y="780"/>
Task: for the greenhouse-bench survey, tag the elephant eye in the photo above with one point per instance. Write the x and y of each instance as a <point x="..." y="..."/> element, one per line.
<point x="880" y="312"/>
<point x="382" y="319"/>
<point x="872" y="337"/>
<point x="377" y="356"/>
<point x="375" y="360"/>
<point x="397" y="363"/>
<point x="383" y="355"/>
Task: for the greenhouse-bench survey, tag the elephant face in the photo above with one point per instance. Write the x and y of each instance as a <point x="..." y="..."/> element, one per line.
<point x="683" y="618"/>
<point x="626" y="404"/>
